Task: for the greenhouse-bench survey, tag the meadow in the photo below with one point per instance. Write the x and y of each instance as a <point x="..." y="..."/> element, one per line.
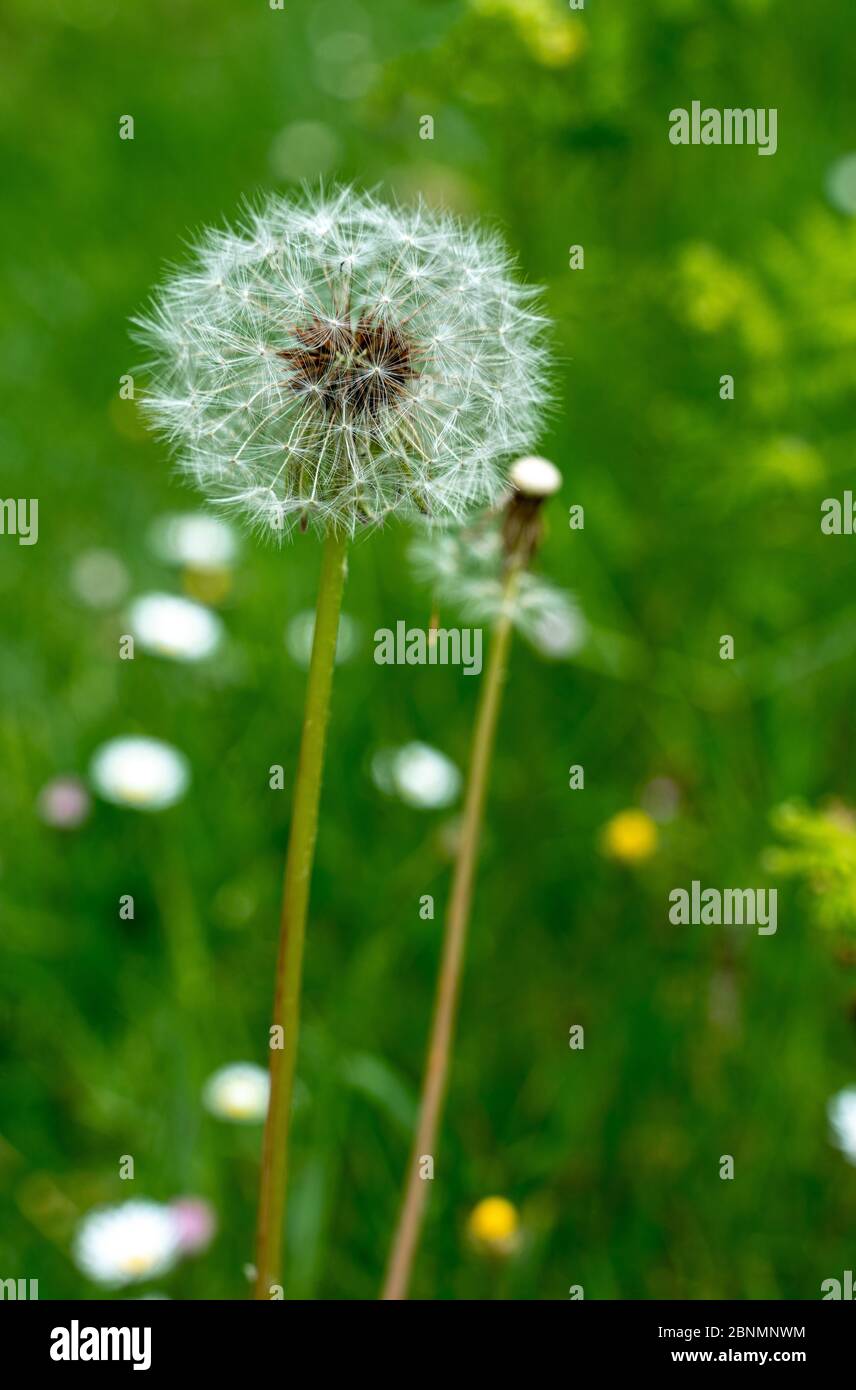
<point x="137" y="949"/>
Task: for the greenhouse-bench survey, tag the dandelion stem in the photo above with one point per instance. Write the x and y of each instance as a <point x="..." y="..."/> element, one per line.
<point x="295" y="899"/>
<point x="410" y="1219"/>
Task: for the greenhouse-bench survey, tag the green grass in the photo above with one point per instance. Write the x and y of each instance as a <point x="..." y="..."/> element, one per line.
<point x="699" y="522"/>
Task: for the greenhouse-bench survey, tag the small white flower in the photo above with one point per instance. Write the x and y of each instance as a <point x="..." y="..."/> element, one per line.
<point x="301" y="631"/>
<point x="140" y="772"/>
<point x="194" y="540"/>
<point x="842" y="1119"/>
<point x="126" y="1244"/>
<point x="99" y="578"/>
<point x="174" y="627"/>
<point x="238" y="1092"/>
<point x="419" y="775"/>
<point x="335" y="360"/>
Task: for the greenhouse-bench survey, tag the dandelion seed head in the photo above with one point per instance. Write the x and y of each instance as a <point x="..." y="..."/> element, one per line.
<point x="465" y="569"/>
<point x="335" y="360"/>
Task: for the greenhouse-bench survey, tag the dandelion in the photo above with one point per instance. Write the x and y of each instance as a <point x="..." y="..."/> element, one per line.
<point x="127" y="1244"/>
<point x="630" y="837"/>
<point x="174" y="627"/>
<point x="328" y="364"/>
<point x="468" y="569"/>
<point x="143" y="773"/>
<point x="497" y="589"/>
<point x="64" y="803"/>
<point x="842" y="1120"/>
<point x="238" y="1092"/>
<point x="335" y="360"/>
<point x="493" y="1226"/>
<point x="419" y="775"/>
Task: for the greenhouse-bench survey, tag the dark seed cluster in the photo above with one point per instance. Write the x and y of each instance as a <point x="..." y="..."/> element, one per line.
<point x="362" y="369"/>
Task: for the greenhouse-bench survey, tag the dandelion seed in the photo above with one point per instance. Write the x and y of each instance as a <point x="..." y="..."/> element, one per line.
<point x="238" y="1092"/>
<point x="143" y="773"/>
<point x="175" y="627"/>
<point x="319" y="367"/>
<point x="126" y="1244"/>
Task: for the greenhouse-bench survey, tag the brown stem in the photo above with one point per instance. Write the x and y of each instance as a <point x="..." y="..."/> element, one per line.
<point x="409" y="1226"/>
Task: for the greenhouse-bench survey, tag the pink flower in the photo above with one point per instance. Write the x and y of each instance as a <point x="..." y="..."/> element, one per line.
<point x="195" y="1224"/>
<point x="64" y="803"/>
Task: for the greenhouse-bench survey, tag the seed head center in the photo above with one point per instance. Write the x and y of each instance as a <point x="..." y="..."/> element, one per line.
<point x="360" y="369"/>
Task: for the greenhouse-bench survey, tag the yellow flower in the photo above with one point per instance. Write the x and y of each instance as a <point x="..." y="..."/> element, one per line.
<point x="630" y="837"/>
<point x="494" y="1225"/>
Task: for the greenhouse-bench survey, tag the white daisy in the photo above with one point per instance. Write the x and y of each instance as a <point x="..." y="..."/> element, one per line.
<point x="126" y="1244"/>
<point x="238" y="1092"/>
<point x="194" y="540"/>
<point x="842" y="1118"/>
<point x="174" y="627"/>
<point x="419" y="775"/>
<point x="140" y="772"/>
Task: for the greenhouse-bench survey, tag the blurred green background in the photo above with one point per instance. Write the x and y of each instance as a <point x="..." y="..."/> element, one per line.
<point x="701" y="518"/>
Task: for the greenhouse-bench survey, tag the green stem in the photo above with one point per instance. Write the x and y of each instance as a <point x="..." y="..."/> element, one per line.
<point x="295" y="900"/>
<point x="410" y="1220"/>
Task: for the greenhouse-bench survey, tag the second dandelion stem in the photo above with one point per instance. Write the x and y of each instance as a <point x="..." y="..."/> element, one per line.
<point x="409" y="1226"/>
<point x="295" y="902"/>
